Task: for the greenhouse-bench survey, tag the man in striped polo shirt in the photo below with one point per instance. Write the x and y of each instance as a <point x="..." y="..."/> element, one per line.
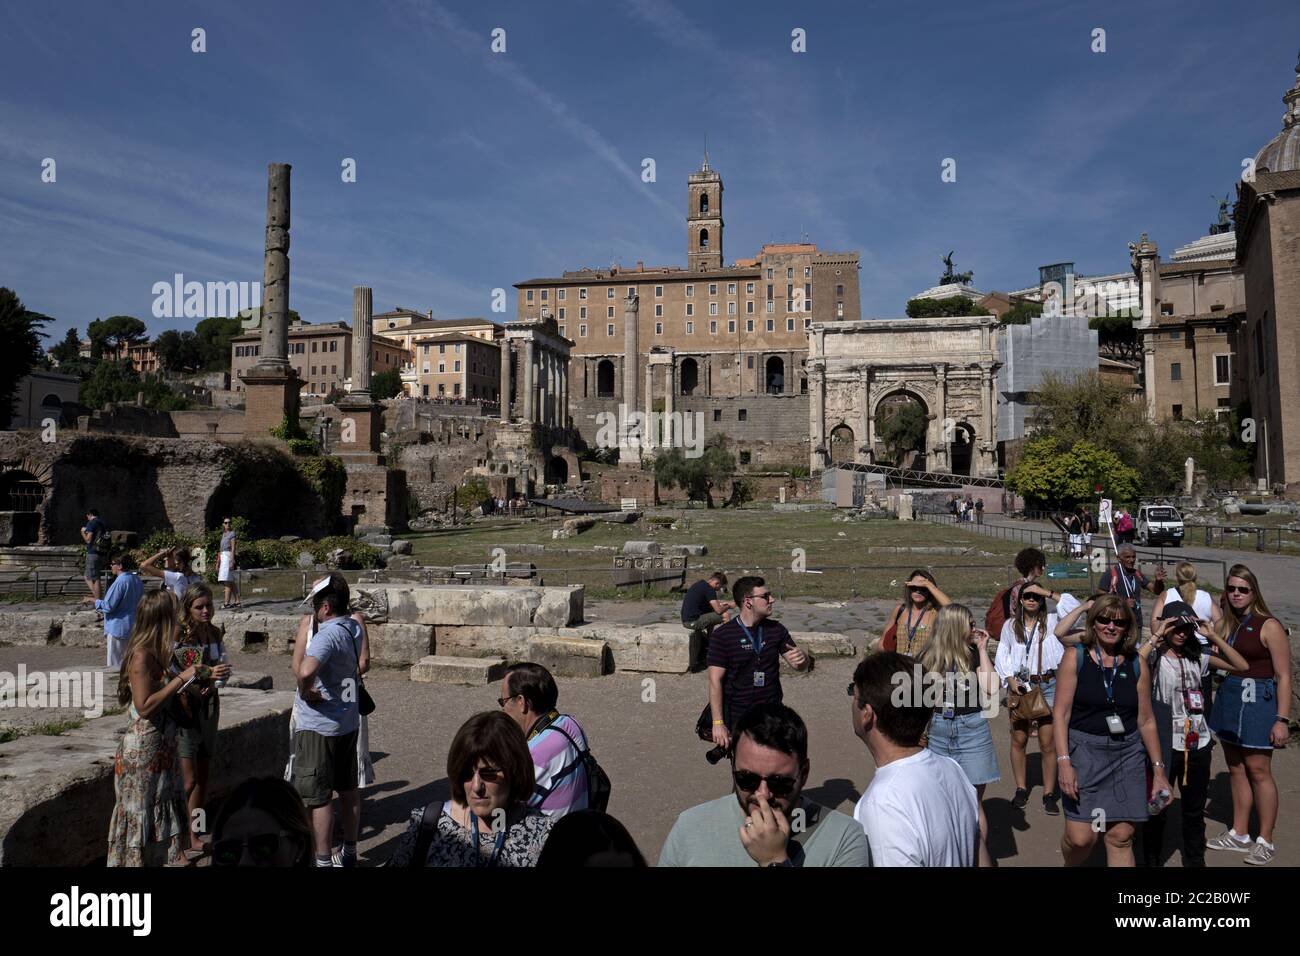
<point x="555" y="740"/>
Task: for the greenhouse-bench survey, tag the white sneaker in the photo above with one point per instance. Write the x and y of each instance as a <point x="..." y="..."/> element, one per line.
<point x="1229" y="840"/>
<point x="1261" y="854"/>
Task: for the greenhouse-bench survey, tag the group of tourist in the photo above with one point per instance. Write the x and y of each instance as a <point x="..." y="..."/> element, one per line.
<point x="1121" y="724"/>
<point x="966" y="509"/>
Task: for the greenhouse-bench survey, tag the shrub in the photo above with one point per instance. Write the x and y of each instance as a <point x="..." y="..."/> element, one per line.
<point x="303" y="446"/>
<point x="327" y="477"/>
<point x="472" y="494"/>
<point x="356" y="554"/>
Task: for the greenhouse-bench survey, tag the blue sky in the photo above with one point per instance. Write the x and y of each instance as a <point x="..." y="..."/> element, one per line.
<point x="476" y="170"/>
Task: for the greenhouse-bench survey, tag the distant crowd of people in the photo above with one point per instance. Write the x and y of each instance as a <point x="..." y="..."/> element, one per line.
<point x="966" y="509"/>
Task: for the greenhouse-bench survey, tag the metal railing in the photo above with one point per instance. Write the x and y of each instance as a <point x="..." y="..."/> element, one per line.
<point x="900" y="476"/>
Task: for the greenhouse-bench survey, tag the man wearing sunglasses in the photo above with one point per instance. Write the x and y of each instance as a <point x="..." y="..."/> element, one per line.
<point x="745" y="660"/>
<point x="765" y="821"/>
<point x="1128" y="581"/>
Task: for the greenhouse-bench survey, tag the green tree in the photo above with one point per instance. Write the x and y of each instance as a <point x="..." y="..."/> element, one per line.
<point x="115" y="334"/>
<point x="939" y="308"/>
<point x="118" y="381"/>
<point x="1115" y="336"/>
<point x="698" y="476"/>
<point x="901" y="429"/>
<point x="179" y="351"/>
<point x="1088" y="407"/>
<point x="1058" y="474"/>
<point x="21" y="352"/>
<point x="386" y="384"/>
<point x="69" y="350"/>
<point x="1021" y="313"/>
<point x="214" y="337"/>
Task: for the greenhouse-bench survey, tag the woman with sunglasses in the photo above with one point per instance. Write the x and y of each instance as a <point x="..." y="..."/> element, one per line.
<point x="1178" y="668"/>
<point x="1027" y="657"/>
<point x="263" y="823"/>
<point x="1251" y="713"/>
<point x="1105" y="734"/>
<point x="909" y="632"/>
<point x="487" y="822"/>
<point x="957" y="661"/>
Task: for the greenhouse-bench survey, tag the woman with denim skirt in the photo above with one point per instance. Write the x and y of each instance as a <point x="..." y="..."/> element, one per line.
<point x="1251" y="713"/>
<point x="959" y="676"/>
<point x="1106" y="733"/>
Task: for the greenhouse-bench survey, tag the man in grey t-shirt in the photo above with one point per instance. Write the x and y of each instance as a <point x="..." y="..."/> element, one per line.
<point x="327" y="717"/>
<point x="765" y="821"/>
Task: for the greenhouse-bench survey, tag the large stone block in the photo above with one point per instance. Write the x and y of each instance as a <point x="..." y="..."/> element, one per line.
<point x="570" y="656"/>
<point x="825" y="643"/>
<point x="473" y="641"/>
<point x="30" y="628"/>
<point x="82" y="629"/>
<point x="482" y="606"/>
<point x="474" y="671"/>
<point x="253" y="632"/>
<point x="399" y="645"/>
<point x="56" y="793"/>
<point x="640" y="547"/>
<point x="661" y="649"/>
<point x="560" y="606"/>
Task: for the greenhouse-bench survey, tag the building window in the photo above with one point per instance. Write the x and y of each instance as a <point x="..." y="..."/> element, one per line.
<point x="731" y="325"/>
<point x="704" y="238"/>
<point x="713" y="308"/>
<point x="690" y="328"/>
<point x="731" y="308"/>
<point x="582" y="293"/>
<point x="690" y="308"/>
<point x="789" y="272"/>
<point x="659" y="292"/>
<point x="561" y="294"/>
<point x="771" y="325"/>
<point x="1222" y="370"/>
<point x="750" y="363"/>
<point x="789" y="305"/>
<point x="442" y="348"/>
<point x="561" y="316"/>
<point x="717" y="414"/>
<point x="442" y="368"/>
<point x="690" y="290"/>
<point x="659" y="310"/>
<point x="742" y="415"/>
<point x="313" y="369"/>
<point x="609" y="293"/>
<point x="769" y="290"/>
<point x="659" y="328"/>
<point x="631" y="290"/>
<point x="789" y="325"/>
<point x="426" y="369"/>
<point x="313" y="346"/>
<point x="609" y="329"/>
<point x="545" y="293"/>
<point x="457" y="348"/>
<point x="749" y="307"/>
<point x="561" y="330"/>
<point x="839" y="310"/>
<point x="807" y="272"/>
<point x="771" y="306"/>
<point x="582" y="331"/>
<point x="582" y="311"/>
<point x="839" y="288"/>
<point x="455" y="389"/>
<point x="1166" y="308"/>
<point x="456" y="367"/>
<point x="749" y="288"/>
<point x="529" y="295"/>
<point x="731" y="288"/>
<point x="744" y="457"/>
<point x="1176" y="372"/>
<point x="807" y="324"/>
<point x="749" y="325"/>
<point x="424" y="390"/>
<point x="713" y="288"/>
<point x="1175" y="335"/>
<point x="713" y="328"/>
<point x="789" y="290"/>
<point x="609" y="312"/>
<point x="769" y="273"/>
<point x="1178" y="413"/>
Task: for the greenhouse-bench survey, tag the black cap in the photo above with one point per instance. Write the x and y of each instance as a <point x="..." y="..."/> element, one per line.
<point x="1180" y="611"/>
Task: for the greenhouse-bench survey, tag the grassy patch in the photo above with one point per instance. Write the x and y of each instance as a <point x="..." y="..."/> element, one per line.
<point x="49" y="729"/>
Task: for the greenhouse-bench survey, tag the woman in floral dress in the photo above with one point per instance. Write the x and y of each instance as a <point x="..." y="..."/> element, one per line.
<point x="148" y="817"/>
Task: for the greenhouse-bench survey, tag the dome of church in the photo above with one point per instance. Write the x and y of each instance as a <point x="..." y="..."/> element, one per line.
<point x="1282" y="154"/>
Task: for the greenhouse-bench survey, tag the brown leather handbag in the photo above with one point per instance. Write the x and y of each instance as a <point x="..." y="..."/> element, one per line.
<point x="1032" y="705"/>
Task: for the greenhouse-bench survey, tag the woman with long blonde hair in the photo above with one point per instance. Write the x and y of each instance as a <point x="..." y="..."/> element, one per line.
<point x="149" y="812"/>
<point x="1106" y="733"/>
<point x="1251" y="713"/>
<point x="956" y="659"/>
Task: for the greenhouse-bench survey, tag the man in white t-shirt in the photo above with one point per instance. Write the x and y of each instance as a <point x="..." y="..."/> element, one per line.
<point x="920" y="810"/>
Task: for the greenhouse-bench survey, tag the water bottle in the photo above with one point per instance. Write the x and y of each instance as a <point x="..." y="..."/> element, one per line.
<point x="225" y="659"/>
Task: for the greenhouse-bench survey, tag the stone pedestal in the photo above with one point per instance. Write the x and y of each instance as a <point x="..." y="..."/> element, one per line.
<point x="272" y="396"/>
<point x="367" y="424"/>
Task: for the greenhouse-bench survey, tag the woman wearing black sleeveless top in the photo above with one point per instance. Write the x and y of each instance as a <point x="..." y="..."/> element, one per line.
<point x="1105" y="734"/>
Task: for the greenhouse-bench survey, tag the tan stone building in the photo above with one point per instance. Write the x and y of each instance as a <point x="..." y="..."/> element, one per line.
<point x="735" y="332"/>
<point x="406" y="327"/>
<point x="1268" y="250"/>
<point x="455" y="365"/>
<point x="321" y="355"/>
<point x="144" y="359"/>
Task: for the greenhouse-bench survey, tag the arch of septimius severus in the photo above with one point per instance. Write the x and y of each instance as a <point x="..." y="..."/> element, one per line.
<point x="948" y="365"/>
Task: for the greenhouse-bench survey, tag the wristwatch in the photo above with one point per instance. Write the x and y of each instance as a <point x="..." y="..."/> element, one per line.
<point x="1279" y="719"/>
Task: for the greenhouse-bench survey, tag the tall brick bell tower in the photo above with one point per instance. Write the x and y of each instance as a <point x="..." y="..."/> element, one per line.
<point x="704" y="219"/>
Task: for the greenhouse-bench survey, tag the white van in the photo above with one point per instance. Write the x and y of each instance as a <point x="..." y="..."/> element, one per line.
<point x="1159" y="524"/>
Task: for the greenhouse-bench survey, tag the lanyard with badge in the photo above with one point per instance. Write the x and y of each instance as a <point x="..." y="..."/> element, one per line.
<point x="497" y="844"/>
<point x="756" y="644"/>
<point x="1114" y="722"/>
<point x="1193" y="703"/>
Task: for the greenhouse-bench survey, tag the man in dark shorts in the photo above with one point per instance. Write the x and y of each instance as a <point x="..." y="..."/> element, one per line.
<point x="745" y="660"/>
<point x="701" y="613"/>
<point x="95" y="533"/>
<point x="327" y="717"/>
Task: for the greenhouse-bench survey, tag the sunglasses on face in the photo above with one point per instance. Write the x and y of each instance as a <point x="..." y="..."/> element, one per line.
<point x="1117" y="622"/>
<point x="501" y="701"/>
<point x="763" y="597"/>
<point x="1030" y="597"/>
<point x="779" y="785"/>
<point x="487" y="775"/>
<point x="263" y="848"/>
<point x="1237" y="589"/>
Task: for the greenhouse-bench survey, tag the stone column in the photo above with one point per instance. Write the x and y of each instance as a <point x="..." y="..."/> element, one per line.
<point x="503" y="392"/>
<point x="817" y="382"/>
<point x="275" y="271"/>
<point x="670" y="386"/>
<point x="648" y="439"/>
<point x="631" y="310"/>
<point x="866" y="436"/>
<point x="550" y="388"/>
<point x="988" y="454"/>
<point x="564" y="393"/>
<point x="938" y="457"/>
<point x="361" y="342"/>
<point x="530" y="381"/>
